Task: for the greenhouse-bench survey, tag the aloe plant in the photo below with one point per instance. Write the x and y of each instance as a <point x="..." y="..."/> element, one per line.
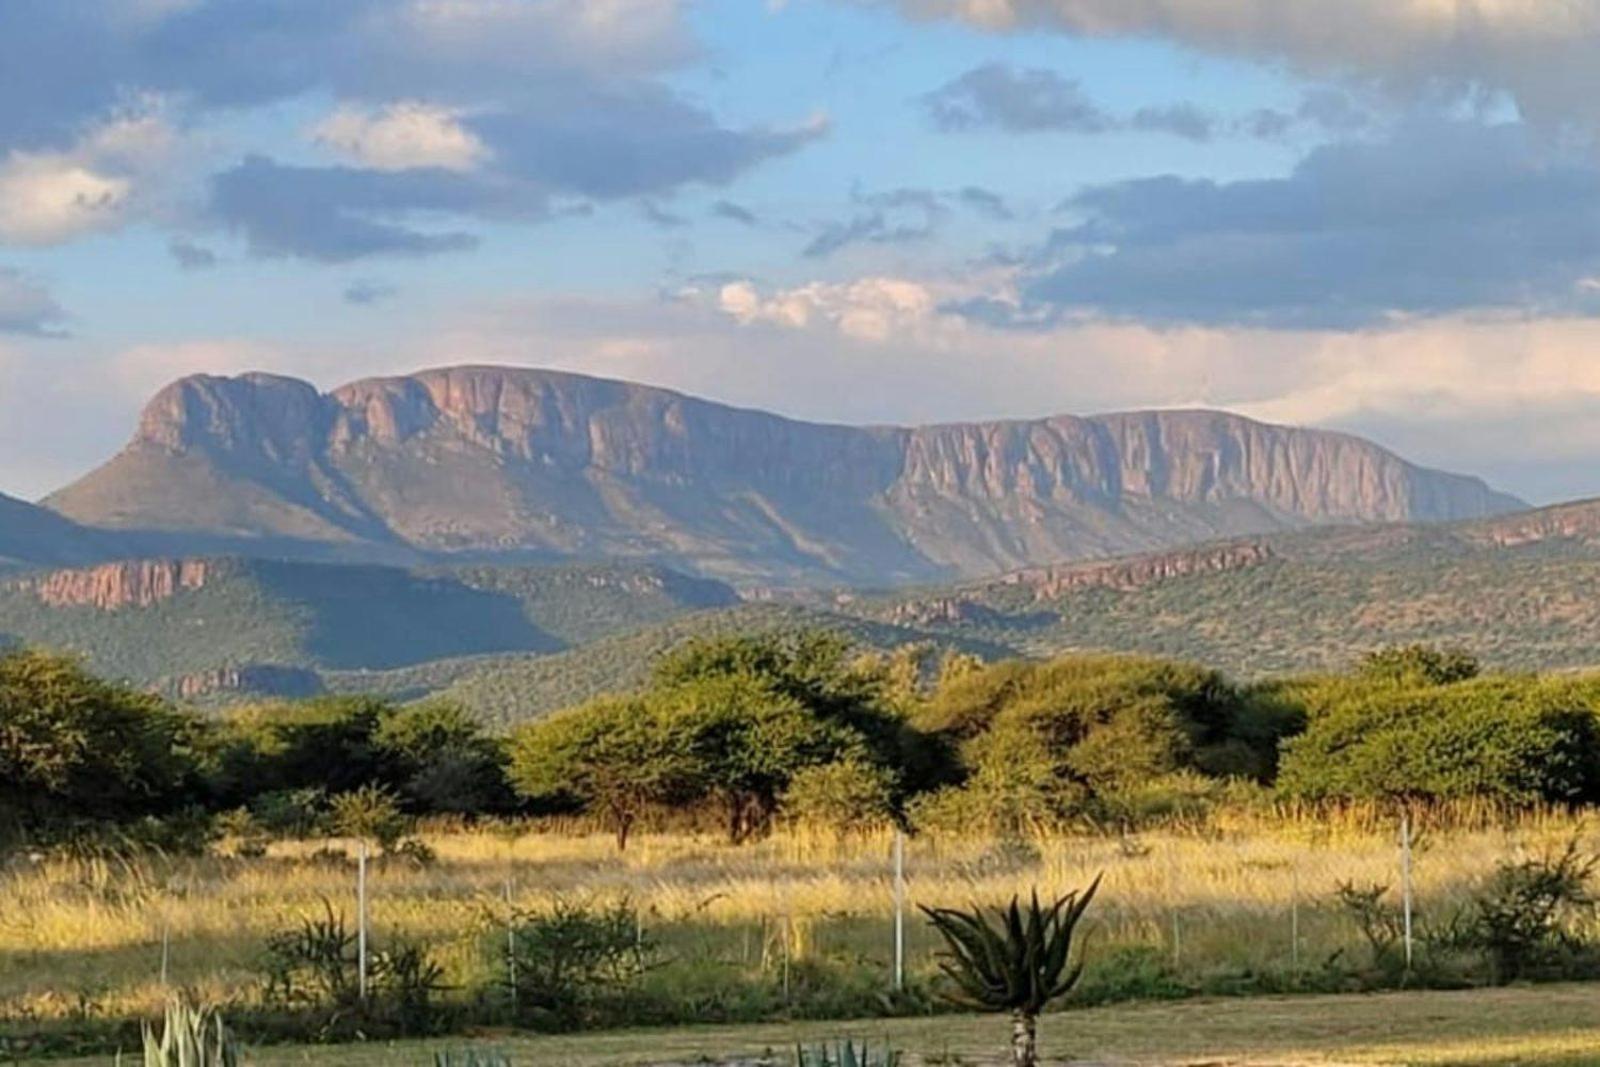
<point x="190" y="1037"/>
<point x="845" y="1054"/>
<point x="1017" y="963"/>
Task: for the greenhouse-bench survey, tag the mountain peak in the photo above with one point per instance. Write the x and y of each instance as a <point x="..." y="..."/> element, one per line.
<point x="504" y="461"/>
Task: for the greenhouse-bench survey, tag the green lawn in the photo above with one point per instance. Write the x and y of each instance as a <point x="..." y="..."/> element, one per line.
<point x="1532" y="1027"/>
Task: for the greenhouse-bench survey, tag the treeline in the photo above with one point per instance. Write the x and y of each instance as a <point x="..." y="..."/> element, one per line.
<point x="743" y="731"/>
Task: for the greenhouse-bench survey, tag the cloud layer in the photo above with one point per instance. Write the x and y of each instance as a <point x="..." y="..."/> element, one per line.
<point x="1439" y="219"/>
<point x="1540" y="53"/>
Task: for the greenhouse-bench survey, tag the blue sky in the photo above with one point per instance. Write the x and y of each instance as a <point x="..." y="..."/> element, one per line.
<point x="1382" y="215"/>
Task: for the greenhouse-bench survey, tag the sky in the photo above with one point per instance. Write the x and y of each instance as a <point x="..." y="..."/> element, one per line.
<point x="1381" y="216"/>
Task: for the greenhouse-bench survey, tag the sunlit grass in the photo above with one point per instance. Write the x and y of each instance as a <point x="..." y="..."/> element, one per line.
<point x="85" y="935"/>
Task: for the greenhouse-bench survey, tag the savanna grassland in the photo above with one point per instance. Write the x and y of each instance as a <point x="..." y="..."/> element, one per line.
<point x="796" y="926"/>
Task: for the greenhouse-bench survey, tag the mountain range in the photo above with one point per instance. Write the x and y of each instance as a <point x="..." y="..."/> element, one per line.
<point x="533" y="465"/>
<point x="521" y="539"/>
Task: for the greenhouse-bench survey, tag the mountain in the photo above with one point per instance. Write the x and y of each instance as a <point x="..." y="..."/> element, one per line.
<point x="1521" y="591"/>
<point x="31" y="536"/>
<point x="202" y="627"/>
<point x="500" y="463"/>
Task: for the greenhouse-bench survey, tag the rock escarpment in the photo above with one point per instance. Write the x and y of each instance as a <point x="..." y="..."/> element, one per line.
<point x="491" y="462"/>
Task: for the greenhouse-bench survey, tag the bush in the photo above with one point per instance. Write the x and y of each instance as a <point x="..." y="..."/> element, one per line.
<point x="571" y="959"/>
<point x="1522" y="919"/>
<point x="845" y="796"/>
<point x="371" y="813"/>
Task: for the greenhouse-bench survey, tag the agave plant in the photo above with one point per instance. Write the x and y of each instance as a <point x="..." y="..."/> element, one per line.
<point x="190" y="1037"/>
<point x="845" y="1054"/>
<point x="1019" y="962"/>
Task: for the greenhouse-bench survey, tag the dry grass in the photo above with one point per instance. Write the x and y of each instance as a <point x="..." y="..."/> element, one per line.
<point x="85" y="936"/>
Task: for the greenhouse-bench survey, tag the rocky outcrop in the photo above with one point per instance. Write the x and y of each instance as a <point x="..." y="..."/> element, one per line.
<point x="253" y="680"/>
<point x="1048" y="583"/>
<point x="497" y="461"/>
<point x="1567" y="522"/>
<point x="110" y="586"/>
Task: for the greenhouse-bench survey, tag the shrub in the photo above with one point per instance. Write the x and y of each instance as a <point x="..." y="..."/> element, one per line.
<point x="845" y="796"/>
<point x="1419" y="665"/>
<point x="371" y="813"/>
<point x="1521" y="919"/>
<point x="571" y="958"/>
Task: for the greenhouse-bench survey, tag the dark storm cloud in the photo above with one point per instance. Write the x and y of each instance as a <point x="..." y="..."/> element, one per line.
<point x="1439" y="219"/>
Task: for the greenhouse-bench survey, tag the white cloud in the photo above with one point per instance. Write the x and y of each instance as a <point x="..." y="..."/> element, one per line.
<point x="400" y="136"/>
<point x="870" y="309"/>
<point x="47" y="198"/>
<point x="1541" y="52"/>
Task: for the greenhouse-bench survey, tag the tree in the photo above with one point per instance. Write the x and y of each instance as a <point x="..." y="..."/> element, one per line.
<point x="845" y="795"/>
<point x="616" y="757"/>
<point x="1420" y="665"/>
<point x="74" y="748"/>
<point x="746" y="742"/>
<point x="1508" y="739"/>
<point x="442" y="760"/>
<point x="1018" y="963"/>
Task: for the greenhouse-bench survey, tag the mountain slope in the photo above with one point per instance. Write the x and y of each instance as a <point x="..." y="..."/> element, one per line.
<point x="483" y="461"/>
<point x="32" y="535"/>
<point x="1522" y="591"/>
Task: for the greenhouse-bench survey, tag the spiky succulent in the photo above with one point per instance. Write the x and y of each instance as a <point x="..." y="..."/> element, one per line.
<point x="1020" y="960"/>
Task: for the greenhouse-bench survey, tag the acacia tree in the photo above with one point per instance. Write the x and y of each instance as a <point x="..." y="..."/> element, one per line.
<point x="617" y="757"/>
<point x="1018" y="963"/>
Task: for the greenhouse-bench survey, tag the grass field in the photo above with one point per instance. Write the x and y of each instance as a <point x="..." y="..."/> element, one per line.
<point x="1212" y="910"/>
<point x="1551" y="1026"/>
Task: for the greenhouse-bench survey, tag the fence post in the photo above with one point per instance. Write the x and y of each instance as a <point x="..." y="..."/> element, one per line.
<point x="361" y="920"/>
<point x="511" y="943"/>
<point x="166" y="943"/>
<point x="1294" y="921"/>
<point x="1405" y="879"/>
<point x="899" y="910"/>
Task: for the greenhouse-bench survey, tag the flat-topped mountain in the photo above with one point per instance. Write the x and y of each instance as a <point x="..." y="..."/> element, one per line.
<point x="514" y="463"/>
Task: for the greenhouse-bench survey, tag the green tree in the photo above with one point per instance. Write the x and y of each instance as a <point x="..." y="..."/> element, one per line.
<point x="1509" y="739"/>
<point x="616" y="758"/>
<point x="442" y="760"/>
<point x="74" y="748"/>
<point x="1420" y="665"/>
<point x="844" y="795"/>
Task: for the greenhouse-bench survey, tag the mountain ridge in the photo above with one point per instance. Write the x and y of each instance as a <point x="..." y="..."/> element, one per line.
<point x="531" y="464"/>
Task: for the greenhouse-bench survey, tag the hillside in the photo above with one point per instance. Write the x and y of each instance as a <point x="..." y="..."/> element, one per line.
<point x="1521" y="591"/>
<point x="34" y="536"/>
<point x="502" y="463"/>
<point x="504" y="690"/>
<point x="199" y="626"/>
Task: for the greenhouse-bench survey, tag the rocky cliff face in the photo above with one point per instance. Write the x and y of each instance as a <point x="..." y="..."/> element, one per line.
<point x="499" y="461"/>
<point x="110" y="586"/>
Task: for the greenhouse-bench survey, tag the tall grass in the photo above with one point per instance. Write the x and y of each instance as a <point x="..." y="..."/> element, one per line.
<point x="83" y="936"/>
